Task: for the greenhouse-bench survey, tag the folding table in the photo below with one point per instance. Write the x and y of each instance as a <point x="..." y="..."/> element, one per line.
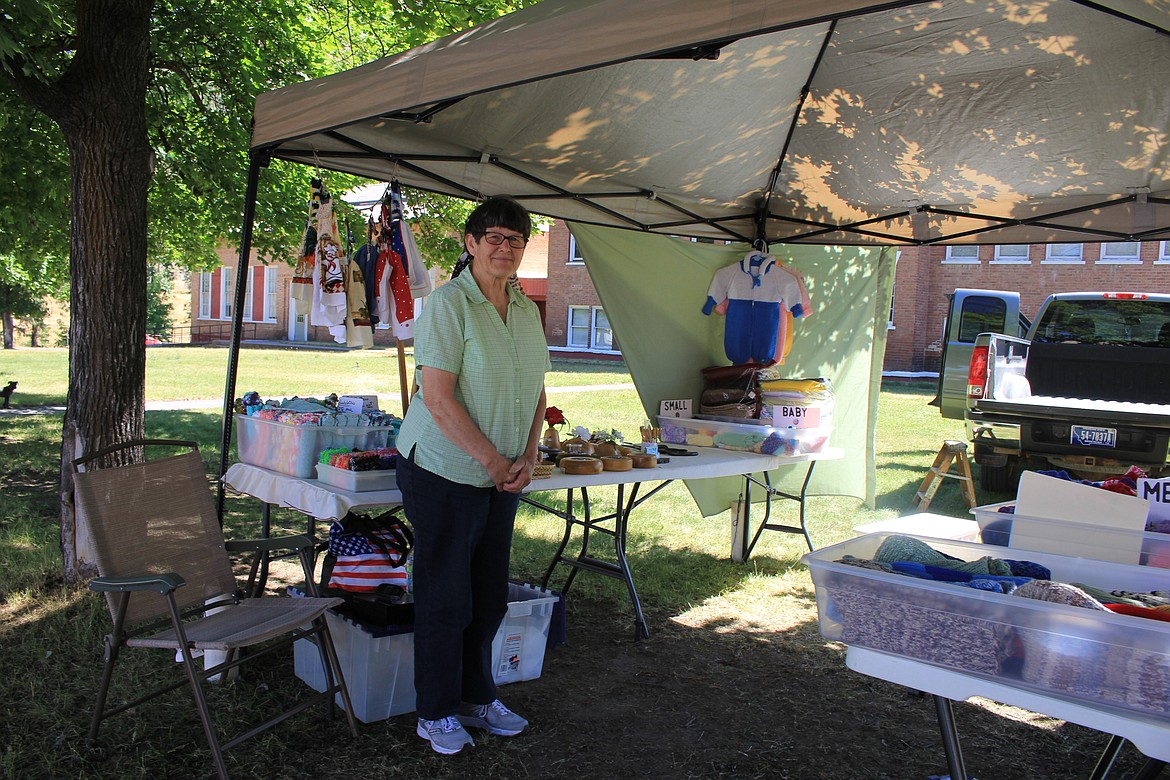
<point x="317" y="500"/>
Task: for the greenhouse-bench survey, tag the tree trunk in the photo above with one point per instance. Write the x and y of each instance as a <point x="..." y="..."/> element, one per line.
<point x="7" y="319"/>
<point x="34" y="335"/>
<point x="103" y="118"/>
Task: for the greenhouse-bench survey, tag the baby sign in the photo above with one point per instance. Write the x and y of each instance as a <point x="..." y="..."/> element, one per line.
<point x="796" y="416"/>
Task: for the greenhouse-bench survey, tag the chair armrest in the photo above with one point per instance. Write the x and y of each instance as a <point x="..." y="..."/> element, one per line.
<point x="293" y="542"/>
<point x="163" y="583"/>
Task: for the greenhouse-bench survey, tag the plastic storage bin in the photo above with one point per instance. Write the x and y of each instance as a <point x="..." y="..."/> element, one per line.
<point x="1104" y="658"/>
<point x="357" y="481"/>
<point x="743" y="435"/>
<point x="1141" y="547"/>
<point x="294" y="449"/>
<point x="378" y="662"/>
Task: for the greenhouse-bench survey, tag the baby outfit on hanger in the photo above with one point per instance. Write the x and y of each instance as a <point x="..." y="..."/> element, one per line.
<point x="754" y="294"/>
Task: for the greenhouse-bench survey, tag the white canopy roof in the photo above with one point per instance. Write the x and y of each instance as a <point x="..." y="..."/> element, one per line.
<point x="834" y="121"/>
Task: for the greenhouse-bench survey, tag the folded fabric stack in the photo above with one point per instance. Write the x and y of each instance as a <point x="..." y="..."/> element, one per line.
<point x="731" y="391"/>
<point x="368" y="460"/>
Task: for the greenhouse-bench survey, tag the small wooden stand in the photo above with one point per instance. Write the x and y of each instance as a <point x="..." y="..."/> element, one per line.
<point x="941" y="468"/>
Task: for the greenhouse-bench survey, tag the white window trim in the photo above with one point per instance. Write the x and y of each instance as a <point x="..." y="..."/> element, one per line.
<point x="1120" y="260"/>
<point x="1001" y="259"/>
<point x="949" y="259"/>
<point x="593" y="311"/>
<point x="205" y="295"/>
<point x="1163" y="253"/>
<point x="1050" y="260"/>
<point x="270" y="293"/>
<point x="574" y="259"/>
<point x="226" y="293"/>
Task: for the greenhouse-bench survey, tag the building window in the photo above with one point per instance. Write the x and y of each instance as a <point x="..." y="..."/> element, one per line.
<point x="1011" y="254"/>
<point x="205" y="295"/>
<point x="226" y="294"/>
<point x="575" y="257"/>
<point x="968" y="255"/>
<point x="1121" y="252"/>
<point x="270" y="280"/>
<point x="894" y="289"/>
<point x="1163" y="252"/>
<point x="589" y="329"/>
<point x="1063" y="253"/>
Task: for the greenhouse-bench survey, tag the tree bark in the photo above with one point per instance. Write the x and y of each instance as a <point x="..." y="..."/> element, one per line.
<point x="8" y="321"/>
<point x="100" y="104"/>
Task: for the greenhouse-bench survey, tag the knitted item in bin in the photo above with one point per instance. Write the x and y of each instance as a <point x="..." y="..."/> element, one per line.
<point x="908" y="548"/>
<point x="916" y="631"/>
<point x="1058" y="593"/>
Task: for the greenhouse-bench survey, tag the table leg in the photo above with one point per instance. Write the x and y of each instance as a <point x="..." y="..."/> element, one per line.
<point x="950" y="737"/>
<point x="589" y="525"/>
<point x="800" y="498"/>
<point x="1108" y="756"/>
<point x="258" y="573"/>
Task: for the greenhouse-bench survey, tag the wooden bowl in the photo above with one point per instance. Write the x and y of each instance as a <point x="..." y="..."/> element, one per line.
<point x="616" y="463"/>
<point x="644" y="460"/>
<point x="577" y="464"/>
<point x="605" y="449"/>
<point x="586" y="447"/>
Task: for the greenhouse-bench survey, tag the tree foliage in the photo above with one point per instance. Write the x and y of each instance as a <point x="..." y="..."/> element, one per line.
<point x="138" y="129"/>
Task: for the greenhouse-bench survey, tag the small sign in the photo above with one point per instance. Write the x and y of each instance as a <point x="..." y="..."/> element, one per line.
<point x="1157" y="492"/>
<point x="357" y="404"/>
<point x="650" y="447"/>
<point x="679" y="408"/>
<point x="796" y="416"/>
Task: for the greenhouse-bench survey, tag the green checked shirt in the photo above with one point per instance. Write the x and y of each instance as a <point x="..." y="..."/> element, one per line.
<point x="500" y="370"/>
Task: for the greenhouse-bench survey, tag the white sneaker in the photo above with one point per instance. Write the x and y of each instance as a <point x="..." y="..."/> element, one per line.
<point x="494" y="717"/>
<point x="446" y="735"/>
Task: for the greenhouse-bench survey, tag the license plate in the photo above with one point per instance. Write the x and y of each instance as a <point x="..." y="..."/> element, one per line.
<point x="1092" y="436"/>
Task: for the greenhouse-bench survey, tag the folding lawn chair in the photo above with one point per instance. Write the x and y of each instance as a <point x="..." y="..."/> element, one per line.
<point x="163" y="566"/>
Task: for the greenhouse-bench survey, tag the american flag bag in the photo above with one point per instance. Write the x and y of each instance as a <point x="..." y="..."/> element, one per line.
<point x="369" y="552"/>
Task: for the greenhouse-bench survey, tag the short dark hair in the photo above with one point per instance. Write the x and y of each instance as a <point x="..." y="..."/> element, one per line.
<point x="501" y="212"/>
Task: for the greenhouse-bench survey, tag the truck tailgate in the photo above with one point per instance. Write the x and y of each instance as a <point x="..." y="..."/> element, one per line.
<point x="1048" y="405"/>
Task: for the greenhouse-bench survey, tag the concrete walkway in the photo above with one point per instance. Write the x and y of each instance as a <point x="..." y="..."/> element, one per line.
<point x="217" y="403"/>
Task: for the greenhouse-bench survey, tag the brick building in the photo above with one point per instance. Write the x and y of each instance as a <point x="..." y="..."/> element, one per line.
<point x="266" y="310"/>
<point x="555" y="276"/>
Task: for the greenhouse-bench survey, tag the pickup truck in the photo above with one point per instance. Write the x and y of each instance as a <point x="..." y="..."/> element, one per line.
<point x="1084" y="387"/>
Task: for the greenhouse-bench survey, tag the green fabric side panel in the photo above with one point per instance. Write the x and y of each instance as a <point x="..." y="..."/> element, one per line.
<point x="653" y="289"/>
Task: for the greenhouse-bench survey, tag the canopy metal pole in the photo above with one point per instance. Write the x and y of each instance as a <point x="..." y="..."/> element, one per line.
<point x="402" y="389"/>
<point x="256" y="161"/>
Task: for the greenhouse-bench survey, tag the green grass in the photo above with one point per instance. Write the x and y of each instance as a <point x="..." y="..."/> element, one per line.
<point x="199" y="373"/>
<point x="680" y="559"/>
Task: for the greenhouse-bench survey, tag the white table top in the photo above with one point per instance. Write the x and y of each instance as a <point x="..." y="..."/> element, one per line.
<point x="1149" y="734"/>
<point x="322" y="501"/>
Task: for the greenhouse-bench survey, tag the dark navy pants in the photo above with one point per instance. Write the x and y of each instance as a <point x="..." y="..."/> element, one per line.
<point x="462" y="544"/>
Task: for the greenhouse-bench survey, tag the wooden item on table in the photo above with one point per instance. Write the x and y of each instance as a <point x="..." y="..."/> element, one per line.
<point x="617" y="463"/>
<point x="644" y="460"/>
<point x="577" y="446"/>
<point x="650" y="434"/>
<point x="551" y="439"/>
<point x="580" y="464"/>
<point x="542" y="470"/>
<point x="605" y="449"/>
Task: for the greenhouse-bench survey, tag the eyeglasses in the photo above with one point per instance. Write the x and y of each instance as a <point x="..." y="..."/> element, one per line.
<point x="495" y="239"/>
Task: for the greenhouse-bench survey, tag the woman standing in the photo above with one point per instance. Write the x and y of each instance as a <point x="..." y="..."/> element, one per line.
<point x="467" y="448"/>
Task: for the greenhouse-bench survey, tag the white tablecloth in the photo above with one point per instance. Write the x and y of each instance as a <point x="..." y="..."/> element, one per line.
<point x="325" y="502"/>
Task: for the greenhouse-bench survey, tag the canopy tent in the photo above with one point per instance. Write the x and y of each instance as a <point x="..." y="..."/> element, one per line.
<point x="835" y="121"/>
<point x="838" y="122"/>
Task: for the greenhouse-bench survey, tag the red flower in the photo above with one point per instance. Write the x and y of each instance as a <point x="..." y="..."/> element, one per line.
<point x="554" y="416"/>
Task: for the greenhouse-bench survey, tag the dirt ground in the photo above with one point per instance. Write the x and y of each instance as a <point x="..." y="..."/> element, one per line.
<point x="719" y="694"/>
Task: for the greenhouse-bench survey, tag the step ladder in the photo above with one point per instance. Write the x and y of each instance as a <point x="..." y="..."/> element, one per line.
<point x="950" y="451"/>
